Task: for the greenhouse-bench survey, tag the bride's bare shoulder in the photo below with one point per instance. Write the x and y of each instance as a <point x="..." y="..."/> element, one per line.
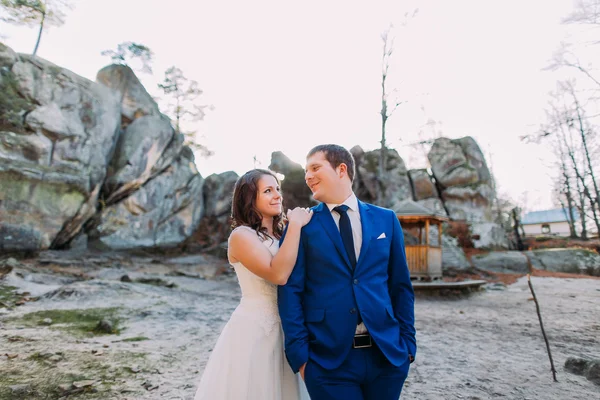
<point x="241" y="237"/>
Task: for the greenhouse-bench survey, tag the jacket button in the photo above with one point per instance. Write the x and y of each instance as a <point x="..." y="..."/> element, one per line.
<point x="352" y="310"/>
<point x="356" y="281"/>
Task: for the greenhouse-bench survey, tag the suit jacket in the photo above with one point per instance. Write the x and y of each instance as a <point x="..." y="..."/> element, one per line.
<point x="319" y="303"/>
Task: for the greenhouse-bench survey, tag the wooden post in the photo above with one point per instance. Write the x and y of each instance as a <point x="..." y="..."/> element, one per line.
<point x="427" y="232"/>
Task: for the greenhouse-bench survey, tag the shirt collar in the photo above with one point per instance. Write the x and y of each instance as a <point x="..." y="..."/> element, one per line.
<point x="351" y="202"/>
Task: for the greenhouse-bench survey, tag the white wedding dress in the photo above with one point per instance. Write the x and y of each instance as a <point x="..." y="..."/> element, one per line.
<point x="248" y="361"/>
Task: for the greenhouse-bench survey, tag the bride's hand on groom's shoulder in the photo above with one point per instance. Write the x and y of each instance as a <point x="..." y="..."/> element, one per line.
<point x="299" y="216"/>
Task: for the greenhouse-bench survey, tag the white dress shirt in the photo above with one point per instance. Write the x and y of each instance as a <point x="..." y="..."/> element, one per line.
<point x="354" y="216"/>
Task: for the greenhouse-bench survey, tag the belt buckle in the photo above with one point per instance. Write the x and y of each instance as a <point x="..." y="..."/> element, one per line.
<point x="362" y="341"/>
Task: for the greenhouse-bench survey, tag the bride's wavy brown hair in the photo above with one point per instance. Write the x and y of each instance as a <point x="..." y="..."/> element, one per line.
<point x="243" y="206"/>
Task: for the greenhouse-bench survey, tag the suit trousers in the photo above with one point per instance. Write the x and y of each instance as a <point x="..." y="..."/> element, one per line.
<point x="366" y="374"/>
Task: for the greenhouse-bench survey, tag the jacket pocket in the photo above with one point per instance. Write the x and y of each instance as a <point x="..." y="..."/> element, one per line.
<point x="315" y="315"/>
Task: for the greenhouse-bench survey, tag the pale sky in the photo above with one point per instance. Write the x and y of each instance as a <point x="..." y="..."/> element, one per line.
<point x="290" y="75"/>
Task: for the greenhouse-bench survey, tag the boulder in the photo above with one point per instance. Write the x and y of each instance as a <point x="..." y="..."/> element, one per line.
<point x="162" y="213"/>
<point x="53" y="163"/>
<point x="218" y="194"/>
<point x="434" y="204"/>
<point x="100" y="155"/>
<point x="396" y="185"/>
<point x="453" y="256"/>
<point x="282" y="164"/>
<point x="7" y="56"/>
<point x="469" y="203"/>
<point x="422" y="185"/>
<point x="135" y="101"/>
<point x="506" y="262"/>
<point x="138" y="155"/>
<point x="450" y="165"/>
<point x="460" y="170"/>
<point x="570" y="260"/>
<point x="584" y="367"/>
<point x="489" y="235"/>
<point x="215" y="226"/>
<point x="475" y="158"/>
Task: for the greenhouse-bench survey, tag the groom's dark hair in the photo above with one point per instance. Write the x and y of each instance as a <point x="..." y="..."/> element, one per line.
<point x="336" y="155"/>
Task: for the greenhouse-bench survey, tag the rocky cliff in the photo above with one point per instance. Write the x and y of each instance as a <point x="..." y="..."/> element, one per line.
<point x="89" y="160"/>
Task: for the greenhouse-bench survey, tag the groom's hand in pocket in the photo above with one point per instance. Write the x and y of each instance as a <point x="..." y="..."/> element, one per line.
<point x="302" y="370"/>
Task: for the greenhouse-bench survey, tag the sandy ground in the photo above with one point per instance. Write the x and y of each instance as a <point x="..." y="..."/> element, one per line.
<point x="490" y="345"/>
<point x="484" y="346"/>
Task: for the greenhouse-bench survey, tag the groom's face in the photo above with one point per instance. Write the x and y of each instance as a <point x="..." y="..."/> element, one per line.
<point x="322" y="179"/>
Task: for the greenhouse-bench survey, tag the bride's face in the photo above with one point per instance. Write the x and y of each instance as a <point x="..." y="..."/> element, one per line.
<point x="268" y="198"/>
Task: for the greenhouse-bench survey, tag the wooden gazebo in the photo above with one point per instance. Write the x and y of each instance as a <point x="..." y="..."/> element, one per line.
<point x="423" y="247"/>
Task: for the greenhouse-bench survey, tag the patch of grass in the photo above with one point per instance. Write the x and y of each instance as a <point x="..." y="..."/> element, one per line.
<point x="36" y="357"/>
<point x="135" y="339"/>
<point x="75" y="321"/>
<point x="44" y="380"/>
<point x="8" y="295"/>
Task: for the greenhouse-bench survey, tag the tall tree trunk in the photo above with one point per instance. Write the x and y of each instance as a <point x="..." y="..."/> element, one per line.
<point x="383" y="148"/>
<point x="580" y="178"/>
<point x="581" y="209"/>
<point x="594" y="202"/>
<point x="517" y="224"/>
<point x="39" y="38"/>
<point x="569" y="195"/>
<point x="382" y="156"/>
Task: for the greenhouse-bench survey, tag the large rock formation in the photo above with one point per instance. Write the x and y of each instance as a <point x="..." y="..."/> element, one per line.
<point x="53" y="158"/>
<point x="396" y="185"/>
<point x="213" y="231"/>
<point x="153" y="192"/>
<point x="460" y="170"/>
<point x="162" y="213"/>
<point x="569" y="260"/>
<point x="425" y="192"/>
<point x="465" y="186"/>
<point x="77" y="153"/>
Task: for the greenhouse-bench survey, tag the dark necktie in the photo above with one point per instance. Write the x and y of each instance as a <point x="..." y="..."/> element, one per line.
<point x="346" y="232"/>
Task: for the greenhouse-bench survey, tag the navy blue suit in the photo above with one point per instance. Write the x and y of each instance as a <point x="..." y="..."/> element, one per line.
<point x="320" y="304"/>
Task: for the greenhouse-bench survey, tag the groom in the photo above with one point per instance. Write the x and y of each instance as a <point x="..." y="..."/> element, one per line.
<point x="348" y="308"/>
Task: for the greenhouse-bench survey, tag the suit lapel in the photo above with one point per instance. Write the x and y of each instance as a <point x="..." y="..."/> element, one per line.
<point x="367" y="229"/>
<point x="323" y="214"/>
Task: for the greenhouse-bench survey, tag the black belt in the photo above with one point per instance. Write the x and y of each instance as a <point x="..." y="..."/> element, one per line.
<point x="362" y="341"/>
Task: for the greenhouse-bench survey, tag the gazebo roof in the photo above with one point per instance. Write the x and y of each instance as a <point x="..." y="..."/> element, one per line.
<point x="410" y="208"/>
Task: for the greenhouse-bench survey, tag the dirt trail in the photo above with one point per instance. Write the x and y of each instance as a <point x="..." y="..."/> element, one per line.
<point x="166" y="314"/>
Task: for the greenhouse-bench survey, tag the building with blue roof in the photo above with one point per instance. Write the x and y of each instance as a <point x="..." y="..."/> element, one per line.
<point x="549" y="222"/>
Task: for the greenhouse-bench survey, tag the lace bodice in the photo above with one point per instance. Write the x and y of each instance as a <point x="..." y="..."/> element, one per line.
<point x="259" y="296"/>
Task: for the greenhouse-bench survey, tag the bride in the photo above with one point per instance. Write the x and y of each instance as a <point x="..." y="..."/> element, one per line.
<point x="248" y="360"/>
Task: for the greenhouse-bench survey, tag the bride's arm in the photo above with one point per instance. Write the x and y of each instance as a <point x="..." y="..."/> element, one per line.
<point x="245" y="246"/>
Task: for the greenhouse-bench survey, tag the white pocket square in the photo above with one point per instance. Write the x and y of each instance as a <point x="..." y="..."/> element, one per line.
<point x="382" y="236"/>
